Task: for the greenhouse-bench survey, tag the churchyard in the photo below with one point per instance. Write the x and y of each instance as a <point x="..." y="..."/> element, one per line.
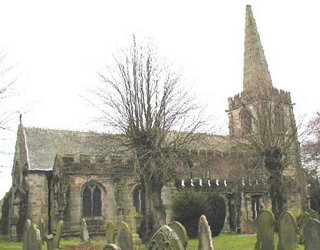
<point x="222" y="242"/>
<point x="294" y="232"/>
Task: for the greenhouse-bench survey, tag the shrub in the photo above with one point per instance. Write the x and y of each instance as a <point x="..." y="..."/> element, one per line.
<point x="187" y="208"/>
<point x="215" y="213"/>
<point x="189" y="205"/>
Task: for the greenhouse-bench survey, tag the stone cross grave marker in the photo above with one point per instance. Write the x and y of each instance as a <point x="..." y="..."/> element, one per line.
<point x="84" y="233"/>
<point x="265" y="228"/>
<point x="312" y="235"/>
<point x="124" y="238"/>
<point x="110" y="232"/>
<point x="181" y="232"/>
<point x="205" y="236"/>
<point x="288" y="237"/>
<point x="165" y="238"/>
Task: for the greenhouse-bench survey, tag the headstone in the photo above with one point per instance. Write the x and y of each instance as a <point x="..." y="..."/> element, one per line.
<point x="265" y="227"/>
<point x="124" y="239"/>
<point x="181" y="232"/>
<point x="302" y="221"/>
<point x="31" y="237"/>
<point x="53" y="242"/>
<point x="111" y="247"/>
<point x="42" y="228"/>
<point x="165" y="238"/>
<point x="38" y="241"/>
<point x="205" y="236"/>
<point x="26" y="234"/>
<point x="84" y="233"/>
<point x="312" y="235"/>
<point x="288" y="237"/>
<point x="110" y="232"/>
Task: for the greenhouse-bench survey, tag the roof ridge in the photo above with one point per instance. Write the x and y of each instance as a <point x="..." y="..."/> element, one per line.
<point x="68" y="131"/>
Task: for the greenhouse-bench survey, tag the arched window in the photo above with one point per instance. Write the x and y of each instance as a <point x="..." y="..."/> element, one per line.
<point x="91" y="200"/>
<point x="278" y="118"/>
<point x="139" y="199"/>
<point x="246" y="121"/>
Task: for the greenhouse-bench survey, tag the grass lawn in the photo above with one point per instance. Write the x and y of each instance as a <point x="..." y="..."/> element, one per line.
<point x="222" y="242"/>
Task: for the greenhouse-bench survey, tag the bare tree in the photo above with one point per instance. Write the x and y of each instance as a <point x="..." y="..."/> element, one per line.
<point x="6" y="91"/>
<point x="8" y="79"/>
<point x="144" y="100"/>
<point x="268" y="140"/>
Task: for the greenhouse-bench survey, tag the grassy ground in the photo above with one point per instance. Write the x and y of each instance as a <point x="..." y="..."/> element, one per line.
<point x="222" y="242"/>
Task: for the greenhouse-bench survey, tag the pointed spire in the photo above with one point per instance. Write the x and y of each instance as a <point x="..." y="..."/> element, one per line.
<point x="255" y="69"/>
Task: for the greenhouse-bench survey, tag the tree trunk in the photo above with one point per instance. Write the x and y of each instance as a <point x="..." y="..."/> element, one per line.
<point x="277" y="193"/>
<point x="154" y="213"/>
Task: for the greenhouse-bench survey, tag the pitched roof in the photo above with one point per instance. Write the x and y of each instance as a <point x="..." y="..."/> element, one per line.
<point x="44" y="144"/>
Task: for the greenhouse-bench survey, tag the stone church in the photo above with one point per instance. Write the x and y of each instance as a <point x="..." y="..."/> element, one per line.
<point x="70" y="175"/>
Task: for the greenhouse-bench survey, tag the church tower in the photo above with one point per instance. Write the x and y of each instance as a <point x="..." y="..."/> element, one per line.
<point x="265" y="112"/>
<point x="257" y="86"/>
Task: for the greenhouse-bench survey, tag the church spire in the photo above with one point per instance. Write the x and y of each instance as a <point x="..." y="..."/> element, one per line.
<point x="255" y="69"/>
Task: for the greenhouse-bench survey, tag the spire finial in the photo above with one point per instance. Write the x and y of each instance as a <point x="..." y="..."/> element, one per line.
<point x="20" y="118"/>
<point x="255" y="69"/>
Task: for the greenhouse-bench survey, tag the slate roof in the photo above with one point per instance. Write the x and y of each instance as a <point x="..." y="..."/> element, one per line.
<point x="44" y="144"/>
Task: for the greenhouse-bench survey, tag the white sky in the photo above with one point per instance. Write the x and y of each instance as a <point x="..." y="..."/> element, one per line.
<point x="58" y="47"/>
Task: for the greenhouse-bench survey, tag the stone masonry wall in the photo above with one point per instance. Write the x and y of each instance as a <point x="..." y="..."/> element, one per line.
<point x="38" y="195"/>
<point x="109" y="208"/>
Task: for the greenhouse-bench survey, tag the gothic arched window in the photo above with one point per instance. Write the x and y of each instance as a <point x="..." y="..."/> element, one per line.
<point x="246" y="121"/>
<point x="91" y="200"/>
<point x="139" y="199"/>
<point x="278" y="118"/>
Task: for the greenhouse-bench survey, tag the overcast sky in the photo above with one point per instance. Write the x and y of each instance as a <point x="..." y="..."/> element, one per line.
<point x="58" y="47"/>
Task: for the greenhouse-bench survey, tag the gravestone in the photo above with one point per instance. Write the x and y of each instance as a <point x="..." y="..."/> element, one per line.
<point x="165" y="238"/>
<point x="302" y="221"/>
<point x="31" y="237"/>
<point x="53" y="242"/>
<point x="124" y="239"/>
<point x="110" y="232"/>
<point x="26" y="235"/>
<point x="312" y="235"/>
<point x="265" y="228"/>
<point x="42" y="228"/>
<point x="84" y="233"/>
<point x="38" y="240"/>
<point x="111" y="247"/>
<point x="181" y="232"/>
<point x="288" y="237"/>
<point x="205" y="236"/>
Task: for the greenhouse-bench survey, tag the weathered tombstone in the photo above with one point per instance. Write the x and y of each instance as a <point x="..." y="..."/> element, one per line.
<point x="302" y="221"/>
<point x="312" y="235"/>
<point x="288" y="237"/>
<point x="84" y="233"/>
<point x="26" y="234"/>
<point x="265" y="227"/>
<point x="111" y="247"/>
<point x="42" y="228"/>
<point x="53" y="242"/>
<point x="110" y="232"/>
<point x="205" y="236"/>
<point x="124" y="239"/>
<point x="38" y="241"/>
<point x="165" y="238"/>
<point x="181" y="232"/>
<point x="31" y="237"/>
